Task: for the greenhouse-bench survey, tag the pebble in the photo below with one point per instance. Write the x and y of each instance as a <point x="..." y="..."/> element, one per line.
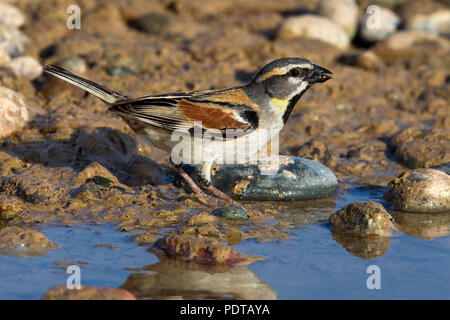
<point x="422" y="148"/>
<point x="109" y="147"/>
<point x="14" y="113"/>
<point x="404" y="40"/>
<point x="145" y="168"/>
<point x="75" y="64"/>
<point x="314" y="27"/>
<point x="152" y="23"/>
<point x="10" y="207"/>
<point x="419" y="190"/>
<point x="369" y="61"/>
<point x="18" y="242"/>
<point x="371" y="31"/>
<point x="123" y="65"/>
<point x="10" y="15"/>
<point x="203" y="251"/>
<point x="363" y="219"/>
<point x="294" y="179"/>
<point x="26" y="67"/>
<point x="13" y="40"/>
<point x="232" y="213"/>
<point x="87" y="293"/>
<point x="343" y="12"/>
<point x="201" y="218"/>
<point x="429" y="16"/>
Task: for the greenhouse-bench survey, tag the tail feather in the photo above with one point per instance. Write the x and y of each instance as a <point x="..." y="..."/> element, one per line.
<point x="96" y="89"/>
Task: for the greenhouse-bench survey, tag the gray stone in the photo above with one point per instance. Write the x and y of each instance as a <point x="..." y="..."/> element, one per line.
<point x="294" y="179"/>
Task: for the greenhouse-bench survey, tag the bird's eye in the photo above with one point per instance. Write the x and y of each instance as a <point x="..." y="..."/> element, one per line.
<point x="295" y="72"/>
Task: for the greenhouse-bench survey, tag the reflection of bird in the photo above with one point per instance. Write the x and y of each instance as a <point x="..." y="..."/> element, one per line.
<point x="257" y="110"/>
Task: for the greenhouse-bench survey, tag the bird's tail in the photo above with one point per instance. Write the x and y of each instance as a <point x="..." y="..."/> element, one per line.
<point x="96" y="89"/>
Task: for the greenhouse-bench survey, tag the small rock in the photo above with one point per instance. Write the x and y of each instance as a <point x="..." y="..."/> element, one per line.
<point x="282" y="179"/>
<point x="422" y="148"/>
<point x="18" y="242"/>
<point x="10" y="207"/>
<point x="369" y="61"/>
<point x="25" y="67"/>
<point x="10" y="15"/>
<point x="75" y="64"/>
<point x="9" y="163"/>
<point x="362" y="219"/>
<point x="152" y="23"/>
<point x="316" y="149"/>
<point x="314" y="27"/>
<point x="143" y="167"/>
<point x="14" y="113"/>
<point x="109" y="147"/>
<point x="198" y="250"/>
<point x="420" y="190"/>
<point x="201" y="218"/>
<point x="406" y="40"/>
<point x="343" y="12"/>
<point x="87" y="293"/>
<point x="232" y="213"/>
<point x="429" y="16"/>
<point x="96" y="177"/>
<point x="123" y="65"/>
<point x="13" y="40"/>
<point x="234" y="236"/>
<point x="376" y="26"/>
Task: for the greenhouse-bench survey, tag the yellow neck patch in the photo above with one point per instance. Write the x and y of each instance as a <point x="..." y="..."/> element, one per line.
<point x="280" y="103"/>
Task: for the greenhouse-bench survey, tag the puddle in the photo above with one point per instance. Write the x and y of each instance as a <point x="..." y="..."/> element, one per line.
<point x="85" y="246"/>
<point x="313" y="263"/>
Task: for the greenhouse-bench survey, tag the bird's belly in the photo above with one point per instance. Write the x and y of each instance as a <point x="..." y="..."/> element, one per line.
<point x="237" y="150"/>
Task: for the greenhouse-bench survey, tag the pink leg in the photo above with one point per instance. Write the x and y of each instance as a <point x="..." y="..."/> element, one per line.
<point x="223" y="196"/>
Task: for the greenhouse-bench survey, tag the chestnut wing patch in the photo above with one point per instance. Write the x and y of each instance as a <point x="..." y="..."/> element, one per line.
<point x="212" y="116"/>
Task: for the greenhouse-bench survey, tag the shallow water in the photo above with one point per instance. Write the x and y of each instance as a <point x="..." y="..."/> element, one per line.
<point x="310" y="265"/>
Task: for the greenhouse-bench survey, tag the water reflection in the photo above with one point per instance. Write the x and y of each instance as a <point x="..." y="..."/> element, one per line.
<point x="169" y="279"/>
<point x="362" y="247"/>
<point x="426" y="226"/>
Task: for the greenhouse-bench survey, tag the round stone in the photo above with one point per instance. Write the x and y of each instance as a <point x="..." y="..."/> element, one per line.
<point x="314" y="27"/>
<point x="283" y="179"/>
<point x="365" y="218"/>
<point x="420" y="190"/>
<point x="232" y="213"/>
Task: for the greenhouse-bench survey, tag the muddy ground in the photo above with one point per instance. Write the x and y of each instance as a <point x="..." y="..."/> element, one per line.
<point x="75" y="162"/>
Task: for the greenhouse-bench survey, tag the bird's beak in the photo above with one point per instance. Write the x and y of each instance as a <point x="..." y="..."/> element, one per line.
<point x="318" y="74"/>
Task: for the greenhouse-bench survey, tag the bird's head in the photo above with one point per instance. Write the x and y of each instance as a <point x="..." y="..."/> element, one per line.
<point x="286" y="79"/>
<point x="289" y="77"/>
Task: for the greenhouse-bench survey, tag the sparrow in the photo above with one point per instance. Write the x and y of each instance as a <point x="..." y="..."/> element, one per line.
<point x="257" y="111"/>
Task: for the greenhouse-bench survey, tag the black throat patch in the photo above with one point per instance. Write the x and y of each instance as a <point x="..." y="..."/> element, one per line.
<point x="291" y="105"/>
